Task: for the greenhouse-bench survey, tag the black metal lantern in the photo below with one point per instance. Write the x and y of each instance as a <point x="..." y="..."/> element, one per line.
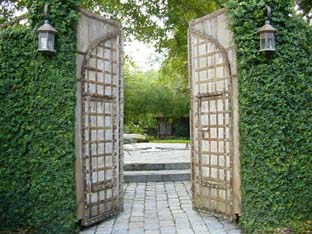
<point x="267" y="34"/>
<point x="46" y="35"/>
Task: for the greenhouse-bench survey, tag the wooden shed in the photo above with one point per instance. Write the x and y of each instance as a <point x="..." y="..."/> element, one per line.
<point x="163" y="127"/>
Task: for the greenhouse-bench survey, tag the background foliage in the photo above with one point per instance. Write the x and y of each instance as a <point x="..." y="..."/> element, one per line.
<point x="275" y="98"/>
<point x="147" y="95"/>
<point x="37" y="94"/>
<point x="163" y="23"/>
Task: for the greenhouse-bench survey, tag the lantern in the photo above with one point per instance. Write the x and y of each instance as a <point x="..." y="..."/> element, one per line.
<point x="46" y="34"/>
<point x="267" y="35"/>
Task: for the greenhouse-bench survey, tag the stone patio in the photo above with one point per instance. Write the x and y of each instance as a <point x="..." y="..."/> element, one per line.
<point x="164" y="208"/>
<point x="157" y="153"/>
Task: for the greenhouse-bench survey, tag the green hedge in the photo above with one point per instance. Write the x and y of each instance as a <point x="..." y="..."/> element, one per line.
<point x="37" y="185"/>
<point x="275" y="99"/>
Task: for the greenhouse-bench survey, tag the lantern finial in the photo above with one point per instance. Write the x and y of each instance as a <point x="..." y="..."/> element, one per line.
<point x="45" y="10"/>
<point x="269" y="11"/>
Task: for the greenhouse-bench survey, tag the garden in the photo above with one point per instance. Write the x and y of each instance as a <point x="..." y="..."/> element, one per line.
<point x="38" y="99"/>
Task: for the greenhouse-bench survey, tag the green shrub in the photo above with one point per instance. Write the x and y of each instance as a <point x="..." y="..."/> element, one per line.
<point x="275" y="99"/>
<point x="37" y="92"/>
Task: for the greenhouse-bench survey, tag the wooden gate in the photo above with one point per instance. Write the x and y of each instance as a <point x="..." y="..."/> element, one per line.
<point x="99" y="119"/>
<point x="214" y="116"/>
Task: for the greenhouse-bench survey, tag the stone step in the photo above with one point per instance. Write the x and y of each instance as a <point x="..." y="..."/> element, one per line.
<point x="156" y="166"/>
<point x="157" y="176"/>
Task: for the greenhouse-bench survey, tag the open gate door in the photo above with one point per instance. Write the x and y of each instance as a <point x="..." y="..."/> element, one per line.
<point x="215" y="162"/>
<point x="99" y="119"/>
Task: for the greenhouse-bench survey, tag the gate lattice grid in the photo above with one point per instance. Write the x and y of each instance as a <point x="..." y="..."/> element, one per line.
<point x="212" y="154"/>
<point x="100" y="132"/>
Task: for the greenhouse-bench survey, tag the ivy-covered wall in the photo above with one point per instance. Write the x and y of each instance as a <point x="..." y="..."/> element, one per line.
<point x="275" y="100"/>
<point x="37" y="92"/>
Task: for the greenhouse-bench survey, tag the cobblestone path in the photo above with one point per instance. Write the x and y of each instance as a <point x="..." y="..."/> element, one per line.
<point x="164" y="208"/>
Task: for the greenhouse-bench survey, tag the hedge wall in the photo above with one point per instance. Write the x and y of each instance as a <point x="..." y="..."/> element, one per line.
<point x="275" y="98"/>
<point x="37" y="185"/>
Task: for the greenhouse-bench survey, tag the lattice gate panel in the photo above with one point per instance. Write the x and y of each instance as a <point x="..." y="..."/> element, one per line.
<point x="101" y="132"/>
<point x="211" y="114"/>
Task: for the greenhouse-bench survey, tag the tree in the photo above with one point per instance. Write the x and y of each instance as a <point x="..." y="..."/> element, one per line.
<point x="147" y="96"/>
<point x="161" y="22"/>
<point x="8" y="9"/>
<point x="306" y="7"/>
<point x="164" y="23"/>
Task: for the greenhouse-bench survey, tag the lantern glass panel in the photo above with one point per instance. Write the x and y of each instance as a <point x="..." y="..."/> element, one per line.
<point x="271" y="42"/>
<point x="51" y="41"/>
<point x="262" y="41"/>
<point x="43" y="40"/>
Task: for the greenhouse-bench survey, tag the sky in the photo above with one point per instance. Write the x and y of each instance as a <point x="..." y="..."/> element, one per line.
<point x="143" y="54"/>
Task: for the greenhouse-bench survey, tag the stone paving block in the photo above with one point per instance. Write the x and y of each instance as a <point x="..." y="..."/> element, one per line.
<point x="218" y="231"/>
<point x="137" y="213"/>
<point x="121" y="221"/>
<point x="152" y="216"/>
<point x="124" y="215"/>
<point x="120" y="231"/>
<point x="150" y="213"/>
<point x="168" y="230"/>
<point x="177" y="211"/>
<point x="174" y="202"/>
<point x="202" y="232"/>
<point x="166" y="223"/>
<point x="185" y="206"/>
<point x="185" y="202"/>
<point x="211" y="219"/>
<point x="88" y="231"/>
<point x="183" y="225"/>
<point x="162" y="201"/>
<point x="164" y="217"/>
<point x="233" y="231"/>
<point x="182" y="215"/>
<point x="136" y="231"/>
<point x="103" y="231"/>
<point x="164" y="210"/>
<point x="136" y="225"/>
<point x="120" y="226"/>
<point x="137" y="219"/>
<point x="181" y="220"/>
<point x="185" y="231"/>
<point x="152" y="231"/>
<point x="197" y="223"/>
<point x="151" y="226"/>
<point x="151" y="204"/>
<point x="215" y="226"/>
<point x="198" y="228"/>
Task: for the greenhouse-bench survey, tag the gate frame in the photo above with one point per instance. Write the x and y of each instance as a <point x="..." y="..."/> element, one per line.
<point x="232" y="70"/>
<point x="81" y="62"/>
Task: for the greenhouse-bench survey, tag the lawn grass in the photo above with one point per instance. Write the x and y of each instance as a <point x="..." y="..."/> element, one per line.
<point x="171" y="141"/>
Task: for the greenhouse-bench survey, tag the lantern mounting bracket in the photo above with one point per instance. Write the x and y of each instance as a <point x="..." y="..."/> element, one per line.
<point x="45" y="10"/>
<point x="269" y="12"/>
